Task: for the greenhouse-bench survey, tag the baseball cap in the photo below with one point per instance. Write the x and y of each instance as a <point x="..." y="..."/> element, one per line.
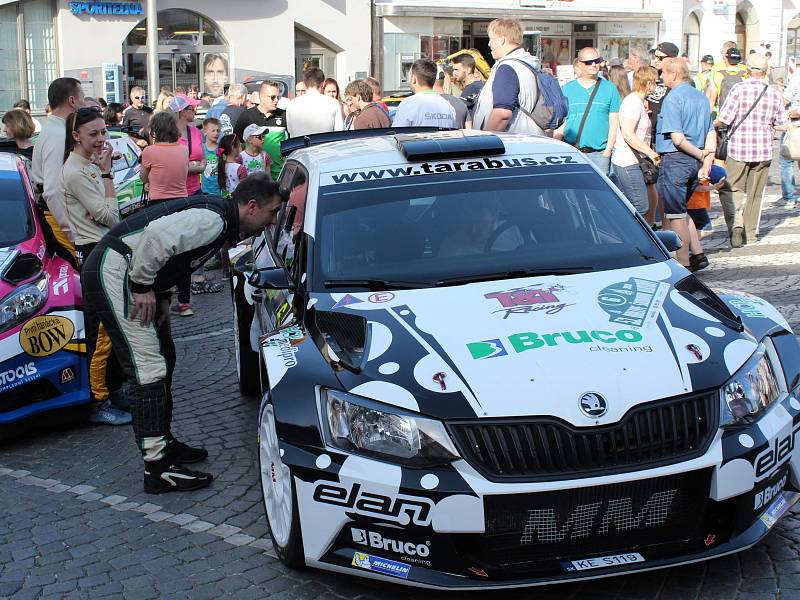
<point x="708" y="59"/>
<point x="182" y="102"/>
<point x="716" y="174"/>
<point x="668" y="48"/>
<point x="734" y="55"/>
<point x="758" y="62"/>
<point x="253" y="129"/>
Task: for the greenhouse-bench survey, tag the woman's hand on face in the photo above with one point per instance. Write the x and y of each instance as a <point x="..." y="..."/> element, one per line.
<point x="103" y="158"/>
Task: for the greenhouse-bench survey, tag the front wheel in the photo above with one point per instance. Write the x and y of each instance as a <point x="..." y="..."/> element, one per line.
<point x="277" y="487"/>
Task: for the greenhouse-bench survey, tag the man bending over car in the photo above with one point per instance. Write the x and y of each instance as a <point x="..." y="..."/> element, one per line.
<point x="127" y="280"/>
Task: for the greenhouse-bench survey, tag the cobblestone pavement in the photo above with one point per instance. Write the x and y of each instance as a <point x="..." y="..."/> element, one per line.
<point x="74" y="522"/>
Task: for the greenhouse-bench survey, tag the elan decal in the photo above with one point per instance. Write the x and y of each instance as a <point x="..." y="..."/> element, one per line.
<point x="46" y="335"/>
<point x="523" y="301"/>
<point x="520" y="342"/>
<point x="634" y="302"/>
<point x="774" y="457"/>
<point x="400" y="509"/>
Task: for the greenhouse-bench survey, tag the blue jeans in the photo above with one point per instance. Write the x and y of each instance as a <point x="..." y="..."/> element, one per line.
<point x="787" y="177"/>
<point x="603" y="162"/>
<point x="630" y="181"/>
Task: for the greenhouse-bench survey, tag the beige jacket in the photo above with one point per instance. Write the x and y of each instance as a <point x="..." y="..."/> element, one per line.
<point x="89" y="211"/>
<point x="48" y="158"/>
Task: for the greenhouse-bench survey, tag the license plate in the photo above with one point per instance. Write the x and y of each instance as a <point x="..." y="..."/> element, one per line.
<point x="600" y="562"/>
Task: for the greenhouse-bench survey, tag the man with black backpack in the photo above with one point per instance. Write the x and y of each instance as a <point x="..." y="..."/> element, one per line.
<point x="725" y="76"/>
<point x="517" y="97"/>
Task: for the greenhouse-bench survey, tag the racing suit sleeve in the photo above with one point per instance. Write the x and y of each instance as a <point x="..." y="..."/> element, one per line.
<point x="169" y="236"/>
<point x="102" y="209"/>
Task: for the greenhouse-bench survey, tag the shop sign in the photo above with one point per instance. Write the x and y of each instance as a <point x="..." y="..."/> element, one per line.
<point x="547" y="28"/>
<point x="621" y="29"/>
<point x="106" y="8"/>
<point x="720" y="7"/>
<point x="481" y="29"/>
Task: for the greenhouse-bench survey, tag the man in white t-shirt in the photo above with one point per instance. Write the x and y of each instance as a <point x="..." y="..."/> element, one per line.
<point x="313" y="112"/>
<point x="425" y="108"/>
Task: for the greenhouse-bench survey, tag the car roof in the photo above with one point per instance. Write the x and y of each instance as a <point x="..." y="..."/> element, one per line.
<point x="380" y="150"/>
<point x="8" y="166"/>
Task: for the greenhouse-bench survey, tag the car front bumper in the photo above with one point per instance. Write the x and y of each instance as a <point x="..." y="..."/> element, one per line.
<point x="449" y="527"/>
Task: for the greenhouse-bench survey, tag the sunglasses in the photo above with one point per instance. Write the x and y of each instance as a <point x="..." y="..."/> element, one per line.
<point x="593" y="61"/>
<point x="259" y="136"/>
<point x="662" y="57"/>
<point x="88" y="110"/>
<point x="138" y="97"/>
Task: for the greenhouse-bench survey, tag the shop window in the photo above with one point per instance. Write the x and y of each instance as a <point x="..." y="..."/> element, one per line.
<point x="793" y="39"/>
<point x="27" y="74"/>
<point x="691" y="40"/>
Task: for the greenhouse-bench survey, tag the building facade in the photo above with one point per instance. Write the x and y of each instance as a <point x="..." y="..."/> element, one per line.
<point x="211" y="43"/>
<point x="205" y="42"/>
<point x="404" y="30"/>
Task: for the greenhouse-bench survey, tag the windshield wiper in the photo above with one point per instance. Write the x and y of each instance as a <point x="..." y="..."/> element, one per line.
<point x="513" y="275"/>
<point x="376" y="284"/>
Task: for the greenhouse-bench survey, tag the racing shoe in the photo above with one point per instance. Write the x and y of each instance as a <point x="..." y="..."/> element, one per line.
<point x="107" y="414"/>
<point x="160" y="478"/>
<point x="184" y="454"/>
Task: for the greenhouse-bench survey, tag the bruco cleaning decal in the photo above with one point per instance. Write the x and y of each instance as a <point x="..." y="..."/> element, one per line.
<point x="529" y="340"/>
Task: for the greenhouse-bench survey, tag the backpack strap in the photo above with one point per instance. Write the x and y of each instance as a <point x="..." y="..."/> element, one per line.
<point x="747" y="114"/>
<point x="189" y="140"/>
<point x="538" y="89"/>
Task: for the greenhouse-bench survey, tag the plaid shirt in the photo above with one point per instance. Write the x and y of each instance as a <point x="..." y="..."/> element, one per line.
<point x="752" y="141"/>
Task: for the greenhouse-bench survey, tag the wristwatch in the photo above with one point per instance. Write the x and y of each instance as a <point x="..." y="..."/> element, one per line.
<point x="106" y="176"/>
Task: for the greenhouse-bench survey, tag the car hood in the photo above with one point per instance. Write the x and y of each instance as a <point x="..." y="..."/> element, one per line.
<point x="536" y="346"/>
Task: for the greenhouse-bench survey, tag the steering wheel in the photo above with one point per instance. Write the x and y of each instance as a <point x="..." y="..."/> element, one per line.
<point x="505" y="226"/>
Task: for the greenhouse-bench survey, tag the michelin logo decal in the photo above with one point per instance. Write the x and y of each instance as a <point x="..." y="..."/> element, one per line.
<point x="381" y="565"/>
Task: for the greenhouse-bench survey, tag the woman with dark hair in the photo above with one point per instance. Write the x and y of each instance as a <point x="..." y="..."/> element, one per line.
<point x="619" y="77"/>
<point x="330" y="87"/>
<point x="91" y="206"/>
<point x="112" y="114"/>
<point x="19" y="127"/>
<point x="165" y="162"/>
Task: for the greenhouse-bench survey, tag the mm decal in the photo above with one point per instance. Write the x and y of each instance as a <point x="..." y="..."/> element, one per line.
<point x="46" y="335"/>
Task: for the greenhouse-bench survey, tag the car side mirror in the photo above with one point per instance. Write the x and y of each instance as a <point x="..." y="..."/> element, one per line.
<point x="270" y="278"/>
<point x="671" y="240"/>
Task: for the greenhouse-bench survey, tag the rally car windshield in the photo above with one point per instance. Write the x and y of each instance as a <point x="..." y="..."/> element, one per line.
<point x="16" y="221"/>
<point x="456" y="228"/>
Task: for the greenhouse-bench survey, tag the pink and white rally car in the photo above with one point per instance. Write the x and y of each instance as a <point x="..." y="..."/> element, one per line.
<point x="42" y="346"/>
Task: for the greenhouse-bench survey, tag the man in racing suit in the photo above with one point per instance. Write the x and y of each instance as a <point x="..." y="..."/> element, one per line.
<point x="127" y="279"/>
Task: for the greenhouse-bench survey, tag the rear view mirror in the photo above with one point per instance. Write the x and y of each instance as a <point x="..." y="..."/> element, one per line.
<point x="671" y="240"/>
<point x="270" y="278"/>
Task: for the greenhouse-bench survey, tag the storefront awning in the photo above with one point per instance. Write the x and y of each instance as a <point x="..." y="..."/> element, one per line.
<point x="487" y="14"/>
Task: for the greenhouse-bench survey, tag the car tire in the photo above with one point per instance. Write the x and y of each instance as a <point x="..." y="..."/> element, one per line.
<point x="279" y="494"/>
<point x="248" y="363"/>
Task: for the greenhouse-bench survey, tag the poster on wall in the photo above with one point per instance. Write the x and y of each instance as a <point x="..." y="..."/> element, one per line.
<point x="555" y="52"/>
<point x="215" y="73"/>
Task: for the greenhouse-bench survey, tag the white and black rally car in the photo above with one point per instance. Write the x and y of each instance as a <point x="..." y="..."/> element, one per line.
<point x="480" y="368"/>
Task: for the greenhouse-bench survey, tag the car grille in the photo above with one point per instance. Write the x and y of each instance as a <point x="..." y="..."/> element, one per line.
<point x="581" y="522"/>
<point x="541" y="449"/>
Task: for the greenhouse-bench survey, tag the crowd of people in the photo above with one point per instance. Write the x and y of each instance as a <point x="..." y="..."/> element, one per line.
<point x="648" y="124"/>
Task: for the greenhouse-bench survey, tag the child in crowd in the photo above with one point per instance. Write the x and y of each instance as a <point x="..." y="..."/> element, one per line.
<point x="229" y="167"/>
<point x="253" y="156"/>
<point x="700" y="223"/>
<point x="210" y="183"/>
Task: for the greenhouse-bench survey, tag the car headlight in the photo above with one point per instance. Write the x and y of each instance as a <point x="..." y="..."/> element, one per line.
<point x="23" y="303"/>
<point x="748" y="393"/>
<point x="365" y="427"/>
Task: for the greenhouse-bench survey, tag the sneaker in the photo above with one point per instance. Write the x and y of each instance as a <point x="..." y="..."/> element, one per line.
<point x="698" y="262"/>
<point x="182" y="310"/>
<point x="184" y="454"/>
<point x="106" y="414"/>
<point x="119" y="399"/>
<point x="173" y="478"/>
